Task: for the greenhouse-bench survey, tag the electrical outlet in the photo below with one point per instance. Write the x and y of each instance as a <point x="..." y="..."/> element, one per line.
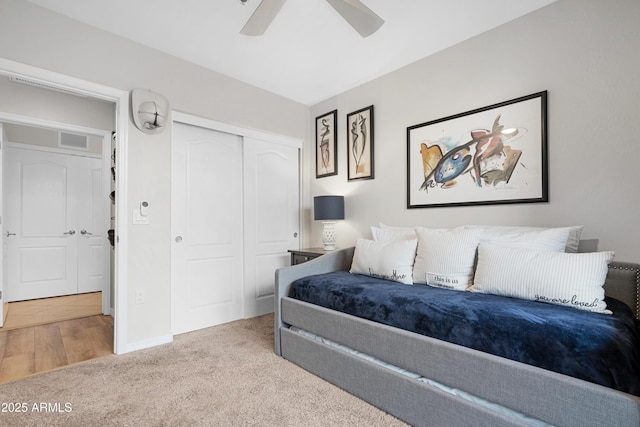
<point x="139" y="297"/>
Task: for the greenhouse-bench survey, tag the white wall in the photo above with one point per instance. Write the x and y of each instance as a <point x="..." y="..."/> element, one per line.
<point x="584" y="52"/>
<point x="37" y="37"/>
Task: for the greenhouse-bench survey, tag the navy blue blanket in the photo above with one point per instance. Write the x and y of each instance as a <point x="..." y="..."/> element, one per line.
<point x="600" y="348"/>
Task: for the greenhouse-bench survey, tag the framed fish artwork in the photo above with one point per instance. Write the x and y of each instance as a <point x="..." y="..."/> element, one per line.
<point x="491" y="155"/>
<point x="360" y="144"/>
<point x="326" y="144"/>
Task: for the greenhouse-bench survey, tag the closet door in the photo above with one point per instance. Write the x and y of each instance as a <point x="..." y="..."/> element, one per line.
<point x="41" y="218"/>
<point x="272" y="218"/>
<point x="92" y="230"/>
<point x="206" y="254"/>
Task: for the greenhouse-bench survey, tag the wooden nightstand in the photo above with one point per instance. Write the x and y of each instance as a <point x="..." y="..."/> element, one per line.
<point x="298" y="256"/>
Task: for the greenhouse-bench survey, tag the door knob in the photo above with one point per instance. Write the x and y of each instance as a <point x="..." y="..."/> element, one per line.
<point x="85" y="232"/>
<point x="178" y="239"/>
<point x="70" y="232"/>
<point x="10" y="234"/>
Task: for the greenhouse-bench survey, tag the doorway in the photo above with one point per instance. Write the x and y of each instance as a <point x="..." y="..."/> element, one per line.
<point x="118" y="101"/>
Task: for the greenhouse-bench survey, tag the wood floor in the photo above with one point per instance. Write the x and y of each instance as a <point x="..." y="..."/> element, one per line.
<point x="29" y="350"/>
<point x="47" y="310"/>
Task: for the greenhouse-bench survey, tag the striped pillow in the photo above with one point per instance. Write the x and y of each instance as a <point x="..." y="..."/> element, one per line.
<point x="392" y="234"/>
<point x="548" y="239"/>
<point x="574" y="280"/>
<point x="445" y="257"/>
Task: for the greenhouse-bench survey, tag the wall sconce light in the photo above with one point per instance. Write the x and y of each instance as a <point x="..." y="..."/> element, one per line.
<point x="150" y="110"/>
<point x="328" y="209"/>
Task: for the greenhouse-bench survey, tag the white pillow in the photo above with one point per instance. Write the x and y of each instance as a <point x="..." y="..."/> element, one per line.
<point x="574" y="280"/>
<point x="392" y="234"/>
<point x="515" y="235"/>
<point x="387" y="260"/>
<point x="390" y="227"/>
<point x="558" y="239"/>
<point x="388" y="231"/>
<point x="445" y="258"/>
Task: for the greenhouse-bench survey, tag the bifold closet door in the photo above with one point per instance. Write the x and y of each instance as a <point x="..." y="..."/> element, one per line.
<point x="206" y="209"/>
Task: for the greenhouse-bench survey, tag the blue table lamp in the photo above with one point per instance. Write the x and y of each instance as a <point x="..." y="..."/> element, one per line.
<point x="328" y="209"/>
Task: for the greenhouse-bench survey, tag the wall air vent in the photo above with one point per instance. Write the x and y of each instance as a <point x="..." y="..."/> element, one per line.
<point x="43" y="85"/>
<point x="72" y="140"/>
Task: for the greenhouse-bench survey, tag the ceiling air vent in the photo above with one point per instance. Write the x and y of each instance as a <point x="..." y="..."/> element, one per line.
<point x="72" y="140"/>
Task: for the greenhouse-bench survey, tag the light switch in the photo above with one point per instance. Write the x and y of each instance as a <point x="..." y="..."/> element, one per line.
<point x="139" y="219"/>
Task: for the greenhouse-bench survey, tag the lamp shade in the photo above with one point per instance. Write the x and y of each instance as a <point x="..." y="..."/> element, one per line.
<point x="328" y="207"/>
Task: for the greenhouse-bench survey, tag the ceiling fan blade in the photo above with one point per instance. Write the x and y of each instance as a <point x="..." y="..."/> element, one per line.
<point x="359" y="16"/>
<point x="262" y="17"/>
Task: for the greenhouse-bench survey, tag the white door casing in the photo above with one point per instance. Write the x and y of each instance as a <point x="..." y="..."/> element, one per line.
<point x="206" y="273"/>
<point x="49" y="199"/>
<point x="271" y="193"/>
<point x="120" y="99"/>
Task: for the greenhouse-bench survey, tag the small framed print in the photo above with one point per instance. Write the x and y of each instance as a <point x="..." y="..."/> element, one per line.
<point x="326" y="144"/>
<point x="360" y="144"/>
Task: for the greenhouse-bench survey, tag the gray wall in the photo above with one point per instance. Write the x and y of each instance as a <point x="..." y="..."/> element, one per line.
<point x="584" y="52"/>
<point x="31" y="101"/>
<point x="37" y="37"/>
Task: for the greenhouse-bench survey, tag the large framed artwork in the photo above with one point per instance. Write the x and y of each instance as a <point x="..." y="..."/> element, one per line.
<point x="491" y="155"/>
<point x="360" y="144"/>
<point x="326" y="144"/>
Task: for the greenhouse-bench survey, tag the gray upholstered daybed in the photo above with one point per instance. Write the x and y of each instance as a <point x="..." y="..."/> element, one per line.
<point x="457" y="378"/>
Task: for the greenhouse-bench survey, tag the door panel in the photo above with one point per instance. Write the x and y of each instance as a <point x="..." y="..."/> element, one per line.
<point x="41" y="258"/>
<point x="271" y="218"/>
<point x="207" y="274"/>
<point x="204" y="292"/>
<point x="91" y="225"/>
<point x="42" y="196"/>
<point x="50" y="262"/>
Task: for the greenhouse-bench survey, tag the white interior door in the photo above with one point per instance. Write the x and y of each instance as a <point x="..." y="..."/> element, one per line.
<point x="51" y="198"/>
<point x="92" y="220"/>
<point x="272" y="218"/>
<point x="40" y="225"/>
<point x="206" y="217"/>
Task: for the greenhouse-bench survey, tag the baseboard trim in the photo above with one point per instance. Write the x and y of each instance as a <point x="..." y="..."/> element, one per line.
<point x="140" y="345"/>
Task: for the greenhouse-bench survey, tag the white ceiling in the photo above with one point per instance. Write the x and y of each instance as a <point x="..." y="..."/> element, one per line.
<point x="309" y="53"/>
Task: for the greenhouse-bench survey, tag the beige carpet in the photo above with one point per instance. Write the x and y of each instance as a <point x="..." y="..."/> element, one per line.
<point x="227" y="375"/>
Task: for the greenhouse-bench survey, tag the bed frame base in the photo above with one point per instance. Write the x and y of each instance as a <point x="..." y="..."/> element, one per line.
<point x="410" y="400"/>
<point x="537" y="393"/>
